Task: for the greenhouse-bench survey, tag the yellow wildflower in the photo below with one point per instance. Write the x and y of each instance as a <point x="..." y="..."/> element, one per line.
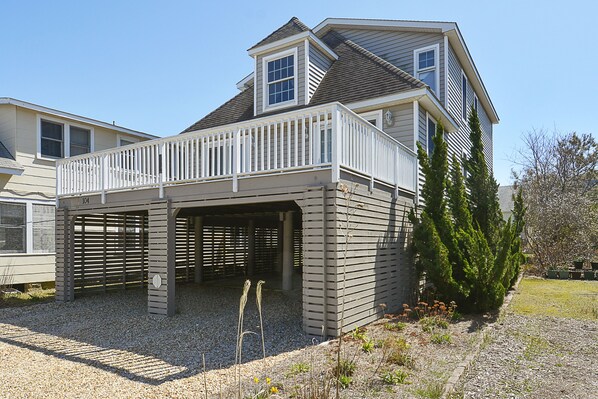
<point x="273" y="390"/>
<point x="268" y="380"/>
<point x="256" y="380"/>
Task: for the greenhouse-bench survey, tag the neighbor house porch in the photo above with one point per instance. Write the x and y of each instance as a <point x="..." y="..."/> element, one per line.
<point x="262" y="198"/>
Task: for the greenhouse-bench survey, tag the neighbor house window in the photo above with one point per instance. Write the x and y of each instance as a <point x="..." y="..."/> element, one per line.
<point x="426" y="66"/>
<point x="431" y="133"/>
<point x="58" y="139"/>
<point x="12" y="228"/>
<point x="123" y="142"/>
<point x="464" y="96"/>
<point x="80" y="141"/>
<point x="280" y="78"/>
<point x="52" y="139"/>
<point x="43" y="228"/>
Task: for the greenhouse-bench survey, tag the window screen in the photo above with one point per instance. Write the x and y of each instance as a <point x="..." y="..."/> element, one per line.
<point x="43" y="228"/>
<point x="12" y="228"/>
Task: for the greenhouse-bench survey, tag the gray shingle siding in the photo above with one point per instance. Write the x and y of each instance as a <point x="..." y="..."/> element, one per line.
<point x="398" y="47"/>
<point x="319" y="64"/>
<point x="259" y="78"/>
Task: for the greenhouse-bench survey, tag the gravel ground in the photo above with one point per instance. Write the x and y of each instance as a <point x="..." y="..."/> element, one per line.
<point x="107" y="345"/>
<point x="535" y="357"/>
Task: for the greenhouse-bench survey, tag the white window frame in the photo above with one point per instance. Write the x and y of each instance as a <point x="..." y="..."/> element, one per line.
<point x="428" y="119"/>
<point x="66" y="139"/>
<point x="377" y="115"/>
<point x="128" y="138"/>
<point x="464" y="104"/>
<point x="416" y="70"/>
<point x="265" y="105"/>
<point x="28" y="225"/>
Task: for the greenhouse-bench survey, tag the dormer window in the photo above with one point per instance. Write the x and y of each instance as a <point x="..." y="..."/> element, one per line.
<point x="426" y="66"/>
<point x="280" y="79"/>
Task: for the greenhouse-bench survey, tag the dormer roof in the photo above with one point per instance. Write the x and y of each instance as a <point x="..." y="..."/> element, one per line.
<point x="291" y="28"/>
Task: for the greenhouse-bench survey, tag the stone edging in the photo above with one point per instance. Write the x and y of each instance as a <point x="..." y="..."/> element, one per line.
<point x="452" y="382"/>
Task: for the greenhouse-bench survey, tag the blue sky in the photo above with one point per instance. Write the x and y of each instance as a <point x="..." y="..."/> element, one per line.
<point x="159" y="66"/>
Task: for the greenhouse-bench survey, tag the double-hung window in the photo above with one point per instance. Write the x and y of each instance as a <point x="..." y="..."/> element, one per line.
<point x="280" y="79"/>
<point x="62" y="139"/>
<point x="426" y="66"/>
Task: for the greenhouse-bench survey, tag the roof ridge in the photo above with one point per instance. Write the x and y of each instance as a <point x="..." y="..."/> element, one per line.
<point x="293" y="21"/>
<point x="391" y="67"/>
<point x="300" y="24"/>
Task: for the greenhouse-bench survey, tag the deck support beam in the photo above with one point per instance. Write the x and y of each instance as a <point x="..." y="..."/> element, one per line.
<point x="287" y="252"/>
<point x="251" y="248"/>
<point x="161" y="260"/>
<point x="198" y="230"/>
<point x="65" y="253"/>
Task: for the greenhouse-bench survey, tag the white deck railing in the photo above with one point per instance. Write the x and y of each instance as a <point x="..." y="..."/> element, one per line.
<point x="329" y="136"/>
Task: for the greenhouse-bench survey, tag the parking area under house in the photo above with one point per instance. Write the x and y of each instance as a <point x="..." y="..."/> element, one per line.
<point x="259" y="198"/>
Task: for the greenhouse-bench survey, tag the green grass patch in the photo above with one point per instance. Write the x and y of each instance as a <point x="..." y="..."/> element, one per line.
<point x="29" y="298"/>
<point x="557" y="298"/>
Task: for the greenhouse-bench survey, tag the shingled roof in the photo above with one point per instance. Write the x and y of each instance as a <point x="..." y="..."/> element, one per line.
<point x="293" y="27"/>
<point x="237" y="109"/>
<point x="357" y="75"/>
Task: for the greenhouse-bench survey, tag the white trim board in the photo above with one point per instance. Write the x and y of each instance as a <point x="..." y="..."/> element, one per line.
<point x="425" y="97"/>
<point x="73" y="117"/>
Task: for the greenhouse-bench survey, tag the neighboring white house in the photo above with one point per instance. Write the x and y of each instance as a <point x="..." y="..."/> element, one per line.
<point x="32" y="137"/>
<point x="505" y="200"/>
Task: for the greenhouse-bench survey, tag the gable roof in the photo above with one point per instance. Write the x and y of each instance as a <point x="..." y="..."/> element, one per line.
<point x="449" y="29"/>
<point x="293" y="27"/>
<point x="356" y="75"/>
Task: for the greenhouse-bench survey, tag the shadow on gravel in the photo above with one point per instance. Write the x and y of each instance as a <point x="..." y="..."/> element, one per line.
<point x="114" y="333"/>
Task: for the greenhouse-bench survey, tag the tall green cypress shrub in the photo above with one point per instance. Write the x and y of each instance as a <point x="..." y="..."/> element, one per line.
<point x="460" y="240"/>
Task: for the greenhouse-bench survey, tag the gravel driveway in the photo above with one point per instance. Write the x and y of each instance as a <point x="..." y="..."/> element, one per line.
<point x="115" y="349"/>
<point x="536" y="357"/>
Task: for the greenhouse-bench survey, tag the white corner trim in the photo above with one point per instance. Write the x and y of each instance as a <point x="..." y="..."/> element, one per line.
<point x="415" y="124"/>
<point x="255" y="87"/>
<point x="446" y="70"/>
<point x="265" y="106"/>
<point x="73" y="117"/>
<point x="307" y="76"/>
